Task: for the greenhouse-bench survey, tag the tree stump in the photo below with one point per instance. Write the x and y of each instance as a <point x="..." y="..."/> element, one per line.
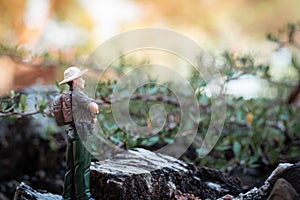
<point x="141" y="174"/>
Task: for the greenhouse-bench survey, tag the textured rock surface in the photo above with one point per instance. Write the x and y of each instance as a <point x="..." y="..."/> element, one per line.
<point x="286" y="171"/>
<point x="141" y="174"/>
<point x="24" y="192"/>
<point x="283" y="190"/>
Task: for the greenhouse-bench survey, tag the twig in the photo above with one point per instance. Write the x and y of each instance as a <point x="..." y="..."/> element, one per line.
<point x="7" y="114"/>
<point x="163" y="98"/>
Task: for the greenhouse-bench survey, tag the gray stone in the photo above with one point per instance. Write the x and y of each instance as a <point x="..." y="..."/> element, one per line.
<point x="283" y="190"/>
<point x="25" y="192"/>
<point x="290" y="173"/>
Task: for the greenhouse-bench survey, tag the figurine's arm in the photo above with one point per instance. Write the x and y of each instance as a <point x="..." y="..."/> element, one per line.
<point x="80" y="99"/>
<point x="93" y="107"/>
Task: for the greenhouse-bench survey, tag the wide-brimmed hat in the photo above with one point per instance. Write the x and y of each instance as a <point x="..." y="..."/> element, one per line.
<point x="72" y="73"/>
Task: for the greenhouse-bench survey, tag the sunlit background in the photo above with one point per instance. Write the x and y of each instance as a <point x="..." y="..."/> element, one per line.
<point x="76" y="27"/>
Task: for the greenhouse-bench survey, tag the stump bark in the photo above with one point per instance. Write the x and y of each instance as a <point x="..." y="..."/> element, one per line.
<point x="141" y="174"/>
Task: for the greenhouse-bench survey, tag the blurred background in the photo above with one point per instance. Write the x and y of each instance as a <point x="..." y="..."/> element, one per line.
<point x="255" y="44"/>
<point x="71" y="28"/>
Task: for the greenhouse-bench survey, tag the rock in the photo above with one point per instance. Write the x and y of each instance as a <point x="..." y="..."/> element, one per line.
<point x="184" y="196"/>
<point x="284" y="180"/>
<point x="292" y="175"/>
<point x="141" y="174"/>
<point x="283" y="190"/>
<point x="25" y="192"/>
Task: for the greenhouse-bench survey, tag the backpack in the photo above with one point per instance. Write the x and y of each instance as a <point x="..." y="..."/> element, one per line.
<point x="62" y="109"/>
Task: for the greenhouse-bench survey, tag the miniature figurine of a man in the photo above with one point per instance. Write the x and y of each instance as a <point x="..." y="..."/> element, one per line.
<point x="78" y="158"/>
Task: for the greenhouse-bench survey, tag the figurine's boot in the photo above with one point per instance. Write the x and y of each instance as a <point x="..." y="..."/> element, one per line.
<point x="82" y="162"/>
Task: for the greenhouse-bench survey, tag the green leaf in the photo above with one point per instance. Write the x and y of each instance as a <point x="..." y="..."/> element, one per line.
<point x="12" y="94"/>
<point x="151" y="141"/>
<point x="5" y="109"/>
<point x="273" y="156"/>
<point x="236" y="149"/>
<point x="23" y="102"/>
<point x="222" y="147"/>
<point x="168" y="140"/>
<point x="115" y="139"/>
<point x="3" y="106"/>
<point x="38" y="116"/>
<point x="152" y="90"/>
<point x="253" y="159"/>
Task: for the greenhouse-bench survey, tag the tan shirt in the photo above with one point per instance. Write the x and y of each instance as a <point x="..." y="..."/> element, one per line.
<point x="80" y="102"/>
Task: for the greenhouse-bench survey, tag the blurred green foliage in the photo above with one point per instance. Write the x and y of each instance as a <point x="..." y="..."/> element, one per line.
<point x="257" y="131"/>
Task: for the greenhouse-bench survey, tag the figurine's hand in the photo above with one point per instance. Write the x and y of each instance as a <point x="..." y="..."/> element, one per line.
<point x="93" y="107"/>
<point x="94" y="121"/>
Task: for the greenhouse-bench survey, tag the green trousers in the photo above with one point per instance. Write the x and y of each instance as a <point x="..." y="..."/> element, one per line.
<point x="77" y="177"/>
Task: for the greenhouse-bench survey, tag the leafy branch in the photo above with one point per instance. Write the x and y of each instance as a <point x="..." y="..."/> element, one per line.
<point x="286" y="36"/>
